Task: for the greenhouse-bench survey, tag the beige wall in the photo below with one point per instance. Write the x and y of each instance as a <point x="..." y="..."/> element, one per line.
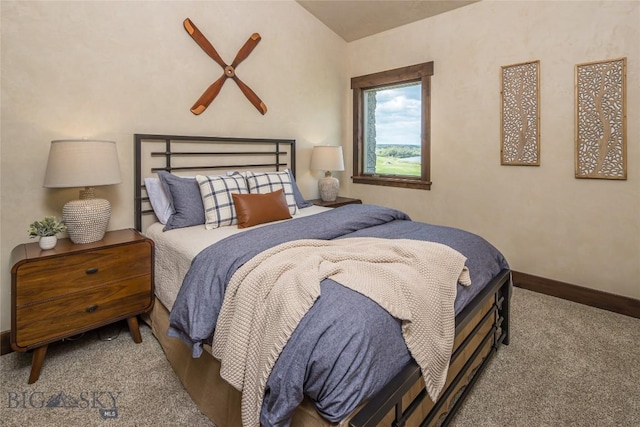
<point x="111" y="69"/>
<point x="585" y="232"/>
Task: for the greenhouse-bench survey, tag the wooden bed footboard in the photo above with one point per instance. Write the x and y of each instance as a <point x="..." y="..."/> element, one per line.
<point x="480" y="329"/>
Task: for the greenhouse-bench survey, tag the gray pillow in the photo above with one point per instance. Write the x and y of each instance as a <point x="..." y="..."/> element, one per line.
<point x="185" y="199"/>
<point x="297" y="195"/>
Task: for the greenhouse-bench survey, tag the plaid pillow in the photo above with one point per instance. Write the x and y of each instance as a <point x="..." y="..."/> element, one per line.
<point x="216" y="197"/>
<point x="268" y="182"/>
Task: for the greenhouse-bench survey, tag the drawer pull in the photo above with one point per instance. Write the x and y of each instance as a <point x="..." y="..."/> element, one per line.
<point x="92" y="308"/>
<point x="91" y="270"/>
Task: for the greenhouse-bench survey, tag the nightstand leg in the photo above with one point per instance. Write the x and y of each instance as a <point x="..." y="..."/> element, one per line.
<point x="134" y="329"/>
<point x="36" y="363"/>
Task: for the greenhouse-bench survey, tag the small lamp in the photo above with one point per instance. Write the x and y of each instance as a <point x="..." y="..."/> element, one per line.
<point x="83" y="163"/>
<point x="327" y="158"/>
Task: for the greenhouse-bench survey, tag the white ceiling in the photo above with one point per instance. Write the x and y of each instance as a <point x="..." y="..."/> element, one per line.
<point x="355" y="19"/>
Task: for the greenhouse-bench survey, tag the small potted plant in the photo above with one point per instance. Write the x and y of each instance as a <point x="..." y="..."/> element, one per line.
<point x="47" y="230"/>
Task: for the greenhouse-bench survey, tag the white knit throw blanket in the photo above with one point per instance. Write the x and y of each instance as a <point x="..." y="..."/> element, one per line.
<point x="414" y="281"/>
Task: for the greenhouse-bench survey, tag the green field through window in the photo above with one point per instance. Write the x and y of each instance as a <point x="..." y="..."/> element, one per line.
<point x="396" y="166"/>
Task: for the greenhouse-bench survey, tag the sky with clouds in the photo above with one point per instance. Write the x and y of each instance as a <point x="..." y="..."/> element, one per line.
<point x="398" y="112"/>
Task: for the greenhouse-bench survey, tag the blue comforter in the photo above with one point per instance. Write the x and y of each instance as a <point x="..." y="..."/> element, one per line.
<point x="346" y="348"/>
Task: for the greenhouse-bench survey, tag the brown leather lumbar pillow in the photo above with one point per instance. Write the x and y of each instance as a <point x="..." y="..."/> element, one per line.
<point x="254" y="209"/>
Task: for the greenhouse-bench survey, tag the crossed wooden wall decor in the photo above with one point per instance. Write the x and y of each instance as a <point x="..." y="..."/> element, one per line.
<point x="229" y="70"/>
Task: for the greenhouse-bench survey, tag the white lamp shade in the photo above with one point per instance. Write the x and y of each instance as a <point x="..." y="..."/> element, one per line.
<point x="82" y="163"/>
<point x="327" y="158"/>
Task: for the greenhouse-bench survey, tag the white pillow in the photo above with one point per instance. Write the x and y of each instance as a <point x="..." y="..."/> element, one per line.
<point x="268" y="182"/>
<point x="158" y="199"/>
<point x="216" y="197"/>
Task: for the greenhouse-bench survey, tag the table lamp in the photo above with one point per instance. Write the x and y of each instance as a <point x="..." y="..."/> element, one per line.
<point x="327" y="158"/>
<point x="83" y="163"/>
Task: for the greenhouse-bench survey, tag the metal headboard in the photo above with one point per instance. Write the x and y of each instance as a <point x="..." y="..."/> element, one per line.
<point x="201" y="155"/>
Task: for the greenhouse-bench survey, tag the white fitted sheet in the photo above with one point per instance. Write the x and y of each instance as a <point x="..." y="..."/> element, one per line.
<point x="175" y="249"/>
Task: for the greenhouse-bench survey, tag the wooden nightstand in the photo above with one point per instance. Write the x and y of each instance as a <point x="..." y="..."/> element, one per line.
<point x="73" y="288"/>
<point x="340" y="201"/>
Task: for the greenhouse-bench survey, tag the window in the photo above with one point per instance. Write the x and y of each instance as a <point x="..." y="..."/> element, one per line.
<point x="391" y="118"/>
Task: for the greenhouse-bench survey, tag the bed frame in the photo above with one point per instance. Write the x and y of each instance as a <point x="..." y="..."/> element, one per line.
<point x="480" y="328"/>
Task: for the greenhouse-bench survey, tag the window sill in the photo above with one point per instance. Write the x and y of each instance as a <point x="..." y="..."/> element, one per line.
<point x="393" y="182"/>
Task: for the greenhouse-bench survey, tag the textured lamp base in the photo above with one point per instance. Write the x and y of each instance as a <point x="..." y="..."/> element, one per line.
<point x="86" y="219"/>
<point x="328" y="188"/>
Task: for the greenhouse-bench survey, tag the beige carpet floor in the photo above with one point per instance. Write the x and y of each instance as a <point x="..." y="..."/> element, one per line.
<point x="567" y="365"/>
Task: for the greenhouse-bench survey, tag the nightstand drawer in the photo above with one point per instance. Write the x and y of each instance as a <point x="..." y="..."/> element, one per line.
<point x="58" y="317"/>
<point x="56" y="276"/>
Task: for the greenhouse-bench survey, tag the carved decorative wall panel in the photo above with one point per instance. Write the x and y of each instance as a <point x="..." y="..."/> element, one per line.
<point x="520" y="114"/>
<point x="600" y="125"/>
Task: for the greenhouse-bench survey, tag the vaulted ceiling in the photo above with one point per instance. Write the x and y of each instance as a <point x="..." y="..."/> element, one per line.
<point x="355" y="19"/>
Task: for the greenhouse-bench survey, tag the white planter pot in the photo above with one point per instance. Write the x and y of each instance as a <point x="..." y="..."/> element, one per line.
<point x="48" y="242"/>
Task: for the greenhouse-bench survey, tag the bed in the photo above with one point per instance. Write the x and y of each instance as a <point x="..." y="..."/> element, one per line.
<point x="481" y="310"/>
